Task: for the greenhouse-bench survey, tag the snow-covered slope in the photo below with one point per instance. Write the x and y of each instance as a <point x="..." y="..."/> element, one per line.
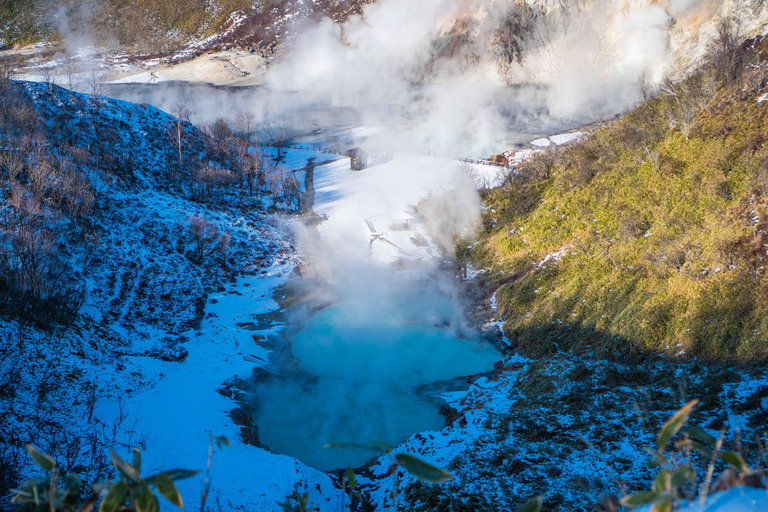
<point x="157" y="336"/>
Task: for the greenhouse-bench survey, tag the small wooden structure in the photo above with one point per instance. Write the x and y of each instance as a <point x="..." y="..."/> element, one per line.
<point x="358" y="159"/>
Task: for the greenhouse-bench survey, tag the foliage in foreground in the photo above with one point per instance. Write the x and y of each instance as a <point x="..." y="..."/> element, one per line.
<point x="650" y="233"/>
<point x="131" y="492"/>
<point x="686" y="472"/>
<point x="136" y="494"/>
<point x="679" y="478"/>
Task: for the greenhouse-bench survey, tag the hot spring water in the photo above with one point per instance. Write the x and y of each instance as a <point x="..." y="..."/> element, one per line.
<point x="368" y="356"/>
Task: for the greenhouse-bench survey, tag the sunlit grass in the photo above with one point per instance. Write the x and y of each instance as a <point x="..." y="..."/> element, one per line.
<point x="657" y="237"/>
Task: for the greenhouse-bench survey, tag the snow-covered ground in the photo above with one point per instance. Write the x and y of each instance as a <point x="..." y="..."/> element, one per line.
<point x="180" y="408"/>
<point x="363" y="207"/>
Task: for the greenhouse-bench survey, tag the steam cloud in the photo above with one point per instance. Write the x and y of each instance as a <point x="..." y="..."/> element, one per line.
<point x="437" y="72"/>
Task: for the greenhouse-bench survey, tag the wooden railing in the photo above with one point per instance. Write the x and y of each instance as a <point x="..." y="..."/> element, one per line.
<point x="375" y="155"/>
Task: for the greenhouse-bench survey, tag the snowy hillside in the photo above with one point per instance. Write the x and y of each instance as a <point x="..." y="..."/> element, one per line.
<point x="157" y="292"/>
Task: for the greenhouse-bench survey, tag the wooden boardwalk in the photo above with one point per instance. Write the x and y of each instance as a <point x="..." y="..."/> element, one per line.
<point x="377" y="155"/>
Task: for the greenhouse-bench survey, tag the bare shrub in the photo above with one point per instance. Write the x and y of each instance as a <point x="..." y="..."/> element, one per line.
<point x="205" y="237"/>
<point x="28" y="210"/>
<point x="583" y="161"/>
<point x="74" y="196"/>
<point x="473" y="174"/>
<point x="11" y="165"/>
<point x="212" y="183"/>
<point x="725" y="55"/>
<point x="538" y="166"/>
<point x="12" y="459"/>
<point x="42" y="178"/>
<point x="37" y="283"/>
<point x="683" y="101"/>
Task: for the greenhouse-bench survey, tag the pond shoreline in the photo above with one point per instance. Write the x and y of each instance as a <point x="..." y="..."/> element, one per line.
<point x="298" y="300"/>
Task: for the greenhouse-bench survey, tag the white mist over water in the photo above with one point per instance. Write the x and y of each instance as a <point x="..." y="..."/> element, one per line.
<point x="399" y="321"/>
<point x="369" y="357"/>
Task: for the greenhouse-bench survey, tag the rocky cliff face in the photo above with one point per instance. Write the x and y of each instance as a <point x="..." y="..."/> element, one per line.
<point x="535" y="40"/>
<point x="589" y="54"/>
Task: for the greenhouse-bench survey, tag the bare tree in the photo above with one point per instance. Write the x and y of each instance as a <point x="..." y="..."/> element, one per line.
<point x="204" y="235"/>
<point x="220" y="130"/>
<point x="94" y="80"/>
<point x="245" y="124"/>
<point x="726" y="54"/>
<point x="249" y="165"/>
<point x="479" y="179"/>
<point x="50" y="74"/>
<point x="277" y="138"/>
<point x="73" y="71"/>
<point x="177" y="132"/>
<point x="7" y="69"/>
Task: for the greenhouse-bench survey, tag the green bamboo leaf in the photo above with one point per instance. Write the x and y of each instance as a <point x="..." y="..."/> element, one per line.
<point x="422" y="470"/>
<point x="662" y="505"/>
<point x="137" y="461"/>
<point x="351" y="481"/>
<point x="695" y="445"/>
<point x="639" y="498"/>
<point x="124" y="468"/>
<point x="102" y="488"/>
<point x="382" y="446"/>
<point x="661" y="483"/>
<point x="155" y="505"/>
<point x="735" y="460"/>
<point x="72" y="483"/>
<point x="682" y="476"/>
<point x="142" y="498"/>
<point x="533" y="505"/>
<point x="114" y="498"/>
<point x="699" y="434"/>
<point x="41" y="459"/>
<point x="20" y="496"/>
<point x="177" y="474"/>
<point x="167" y="489"/>
<point x="673" y="425"/>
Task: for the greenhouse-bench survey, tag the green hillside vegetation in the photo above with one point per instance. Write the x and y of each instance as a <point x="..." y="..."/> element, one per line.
<point x="659" y="221"/>
<point x="156" y="26"/>
<point x="140" y="25"/>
